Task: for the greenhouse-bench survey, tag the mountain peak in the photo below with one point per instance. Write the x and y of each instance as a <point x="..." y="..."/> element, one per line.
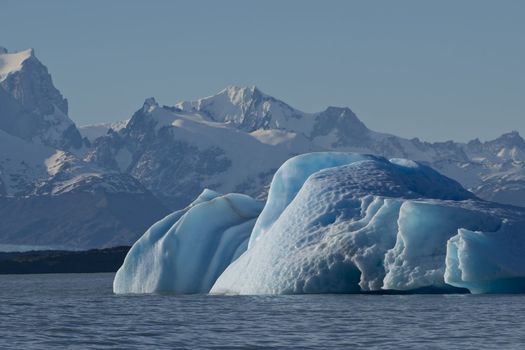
<point x="511" y="135"/>
<point x="239" y="95"/>
<point x="12" y="62"/>
<point x="32" y="107"/>
<point x="512" y="138"/>
<point x="336" y="109"/>
<point x="237" y="89"/>
<point x="343" y="113"/>
<point x="242" y="89"/>
<point x="247" y="107"/>
<point x="149" y="104"/>
<point x="231" y="97"/>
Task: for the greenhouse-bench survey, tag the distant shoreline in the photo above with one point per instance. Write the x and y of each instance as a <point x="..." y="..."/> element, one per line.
<point x="62" y="261"/>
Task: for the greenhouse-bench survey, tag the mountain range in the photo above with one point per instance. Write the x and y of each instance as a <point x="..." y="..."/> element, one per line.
<point x="103" y="185"/>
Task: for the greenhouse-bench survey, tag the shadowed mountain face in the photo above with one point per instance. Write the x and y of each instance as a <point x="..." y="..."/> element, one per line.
<point x="163" y="157"/>
<point x="78" y="220"/>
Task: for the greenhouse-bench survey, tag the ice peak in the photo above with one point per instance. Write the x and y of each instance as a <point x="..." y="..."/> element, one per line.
<point x="3" y="50"/>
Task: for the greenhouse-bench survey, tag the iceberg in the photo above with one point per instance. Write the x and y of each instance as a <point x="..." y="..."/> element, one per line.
<point x="335" y="223"/>
<point x="186" y="251"/>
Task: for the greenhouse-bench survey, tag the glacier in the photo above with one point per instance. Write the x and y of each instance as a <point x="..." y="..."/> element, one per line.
<point x="335" y="222"/>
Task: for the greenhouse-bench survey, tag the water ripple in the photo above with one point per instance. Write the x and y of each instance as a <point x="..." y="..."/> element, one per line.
<point x="80" y="311"/>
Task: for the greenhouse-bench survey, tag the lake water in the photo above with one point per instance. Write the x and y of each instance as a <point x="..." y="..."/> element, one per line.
<point x="79" y="311"/>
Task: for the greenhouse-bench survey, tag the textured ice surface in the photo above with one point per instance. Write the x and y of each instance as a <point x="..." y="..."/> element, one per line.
<point x="186" y="251"/>
<point x="373" y="225"/>
<point x="335" y="223"/>
<point x="288" y="180"/>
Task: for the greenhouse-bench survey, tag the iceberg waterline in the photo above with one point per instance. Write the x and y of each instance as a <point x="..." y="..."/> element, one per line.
<point x="334" y="223"/>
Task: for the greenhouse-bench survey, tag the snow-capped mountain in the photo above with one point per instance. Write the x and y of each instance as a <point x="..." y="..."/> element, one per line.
<point x="104" y="184"/>
<point x="236" y="139"/>
<point x="48" y="194"/>
<point x="30" y="106"/>
<point x="176" y="153"/>
<point x="232" y="141"/>
<point x="40" y="144"/>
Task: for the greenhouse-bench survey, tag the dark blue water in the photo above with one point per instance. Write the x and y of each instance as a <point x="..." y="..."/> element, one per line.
<point x="79" y="311"/>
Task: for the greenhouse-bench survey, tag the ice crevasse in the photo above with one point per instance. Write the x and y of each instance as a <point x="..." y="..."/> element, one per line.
<point x="335" y="223"/>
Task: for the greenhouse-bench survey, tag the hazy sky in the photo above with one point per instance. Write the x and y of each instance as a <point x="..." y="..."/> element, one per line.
<point x="434" y="69"/>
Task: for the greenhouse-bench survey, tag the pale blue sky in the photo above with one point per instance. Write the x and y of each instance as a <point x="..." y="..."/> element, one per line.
<point x="438" y="70"/>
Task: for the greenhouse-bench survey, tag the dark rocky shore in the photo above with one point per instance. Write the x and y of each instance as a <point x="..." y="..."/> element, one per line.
<point x="60" y="261"/>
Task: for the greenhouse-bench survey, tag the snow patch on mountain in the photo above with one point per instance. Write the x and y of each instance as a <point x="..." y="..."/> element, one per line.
<point x="12" y="62"/>
<point x="274" y="137"/>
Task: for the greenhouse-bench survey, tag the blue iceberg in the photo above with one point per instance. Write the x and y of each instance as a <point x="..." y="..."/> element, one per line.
<point x="186" y="251"/>
<point x="335" y="223"/>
